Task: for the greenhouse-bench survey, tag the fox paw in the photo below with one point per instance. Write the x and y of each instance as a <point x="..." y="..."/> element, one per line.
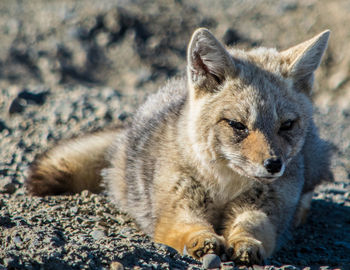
<point x="246" y="252"/>
<point x="204" y="243"/>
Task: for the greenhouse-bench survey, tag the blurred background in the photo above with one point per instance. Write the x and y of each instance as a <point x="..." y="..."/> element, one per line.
<point x="129" y="44"/>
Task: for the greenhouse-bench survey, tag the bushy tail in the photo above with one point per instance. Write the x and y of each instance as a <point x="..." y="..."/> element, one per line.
<point x="71" y="166"/>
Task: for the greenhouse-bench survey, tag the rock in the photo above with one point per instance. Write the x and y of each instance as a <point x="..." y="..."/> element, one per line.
<point x="343" y="244"/>
<point x="2" y="126"/>
<point x="86" y="193"/>
<point x="17" y="240"/>
<point x="74" y="209"/>
<point x="36" y="98"/>
<point x="289" y="267"/>
<point x="211" y="261"/>
<point x="228" y="265"/>
<point x="289" y="5"/>
<point x="97" y="234"/>
<point x="338" y="79"/>
<point x="26" y="97"/>
<point x="116" y="266"/>
<point x="231" y="37"/>
<point x="17" y="106"/>
<point x="9" y="188"/>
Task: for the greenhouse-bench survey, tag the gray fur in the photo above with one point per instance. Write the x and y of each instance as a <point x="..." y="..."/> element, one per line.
<point x="196" y="183"/>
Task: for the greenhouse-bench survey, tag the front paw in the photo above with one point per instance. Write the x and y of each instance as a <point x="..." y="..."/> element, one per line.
<point x="246" y="251"/>
<point x="205" y="243"/>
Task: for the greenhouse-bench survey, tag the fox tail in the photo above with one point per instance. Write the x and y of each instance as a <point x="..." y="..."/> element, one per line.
<point x="71" y="166"/>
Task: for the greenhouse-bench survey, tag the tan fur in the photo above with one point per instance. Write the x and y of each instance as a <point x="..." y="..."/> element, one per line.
<point x="256" y="148"/>
<point x="78" y="162"/>
<point x="251" y="229"/>
<point x="193" y="239"/>
<point x="223" y="160"/>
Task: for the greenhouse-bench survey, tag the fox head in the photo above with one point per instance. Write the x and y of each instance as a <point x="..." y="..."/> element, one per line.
<point x="250" y="110"/>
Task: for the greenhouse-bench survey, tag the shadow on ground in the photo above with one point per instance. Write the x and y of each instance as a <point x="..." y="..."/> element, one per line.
<point x="326" y="235"/>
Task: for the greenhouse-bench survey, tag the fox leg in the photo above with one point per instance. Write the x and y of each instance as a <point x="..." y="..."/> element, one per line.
<point x="184" y="220"/>
<point x="193" y="238"/>
<point x="251" y="237"/>
<point x="255" y="221"/>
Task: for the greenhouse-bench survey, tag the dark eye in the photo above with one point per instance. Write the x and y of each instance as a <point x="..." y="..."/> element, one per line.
<point x="237" y="125"/>
<point x="287" y="125"/>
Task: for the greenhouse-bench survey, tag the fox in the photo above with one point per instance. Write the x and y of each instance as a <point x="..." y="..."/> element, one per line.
<point x="223" y="160"/>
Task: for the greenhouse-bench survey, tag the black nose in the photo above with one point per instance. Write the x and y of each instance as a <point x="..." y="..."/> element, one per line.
<point x="273" y="165"/>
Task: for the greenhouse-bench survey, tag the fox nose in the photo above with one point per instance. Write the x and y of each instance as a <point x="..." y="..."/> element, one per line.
<point x="273" y="165"/>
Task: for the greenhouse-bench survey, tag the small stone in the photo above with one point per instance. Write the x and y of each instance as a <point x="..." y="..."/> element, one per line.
<point x="36" y="98"/>
<point x="122" y="116"/>
<point x="3" y="126"/>
<point x="85" y="193"/>
<point x="338" y="79"/>
<point x="231" y="37"/>
<point x="17" y="240"/>
<point x="228" y="265"/>
<point x="224" y="258"/>
<point x="289" y="267"/>
<point x="9" y="188"/>
<point x="97" y="234"/>
<point x="343" y="244"/>
<point x="116" y="266"/>
<point x="17" y="106"/>
<point x="211" y="261"/>
<point x="74" y="209"/>
<point x="9" y="262"/>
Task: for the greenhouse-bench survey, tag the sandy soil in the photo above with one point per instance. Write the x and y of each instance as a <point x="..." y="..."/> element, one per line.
<point x="68" y="67"/>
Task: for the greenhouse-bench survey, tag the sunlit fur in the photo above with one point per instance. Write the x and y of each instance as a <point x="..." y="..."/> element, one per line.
<point x="192" y="180"/>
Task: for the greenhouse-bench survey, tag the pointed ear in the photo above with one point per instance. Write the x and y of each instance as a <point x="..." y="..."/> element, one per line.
<point x="208" y="62"/>
<point x="304" y="59"/>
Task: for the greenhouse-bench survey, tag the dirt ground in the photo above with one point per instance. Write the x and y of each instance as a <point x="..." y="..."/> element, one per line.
<point x="70" y="67"/>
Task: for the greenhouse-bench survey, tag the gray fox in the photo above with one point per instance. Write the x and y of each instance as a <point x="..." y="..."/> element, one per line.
<point x="224" y="160"/>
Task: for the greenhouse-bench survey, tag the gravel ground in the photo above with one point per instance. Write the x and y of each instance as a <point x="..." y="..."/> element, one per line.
<point x="68" y="68"/>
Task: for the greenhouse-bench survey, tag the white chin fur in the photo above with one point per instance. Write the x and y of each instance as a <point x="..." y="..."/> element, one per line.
<point x="259" y="172"/>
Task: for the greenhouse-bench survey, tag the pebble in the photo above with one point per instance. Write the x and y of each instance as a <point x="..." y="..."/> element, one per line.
<point x="228" y="265"/>
<point x="289" y="267"/>
<point x="17" y="106"/>
<point x="17" y="240"/>
<point x="116" y="266"/>
<point x="9" y="188"/>
<point x="97" y="234"/>
<point x="36" y="98"/>
<point x="85" y="193"/>
<point x="211" y="261"/>
<point x="2" y="126"/>
<point x="74" y="209"/>
<point x="231" y="37"/>
<point x="343" y="244"/>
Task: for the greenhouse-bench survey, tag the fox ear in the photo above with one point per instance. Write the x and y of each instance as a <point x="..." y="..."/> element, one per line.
<point x="208" y="62"/>
<point x="304" y="59"/>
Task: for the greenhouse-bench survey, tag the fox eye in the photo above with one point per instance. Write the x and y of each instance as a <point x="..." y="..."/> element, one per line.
<point x="287" y="125"/>
<point x="237" y="125"/>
